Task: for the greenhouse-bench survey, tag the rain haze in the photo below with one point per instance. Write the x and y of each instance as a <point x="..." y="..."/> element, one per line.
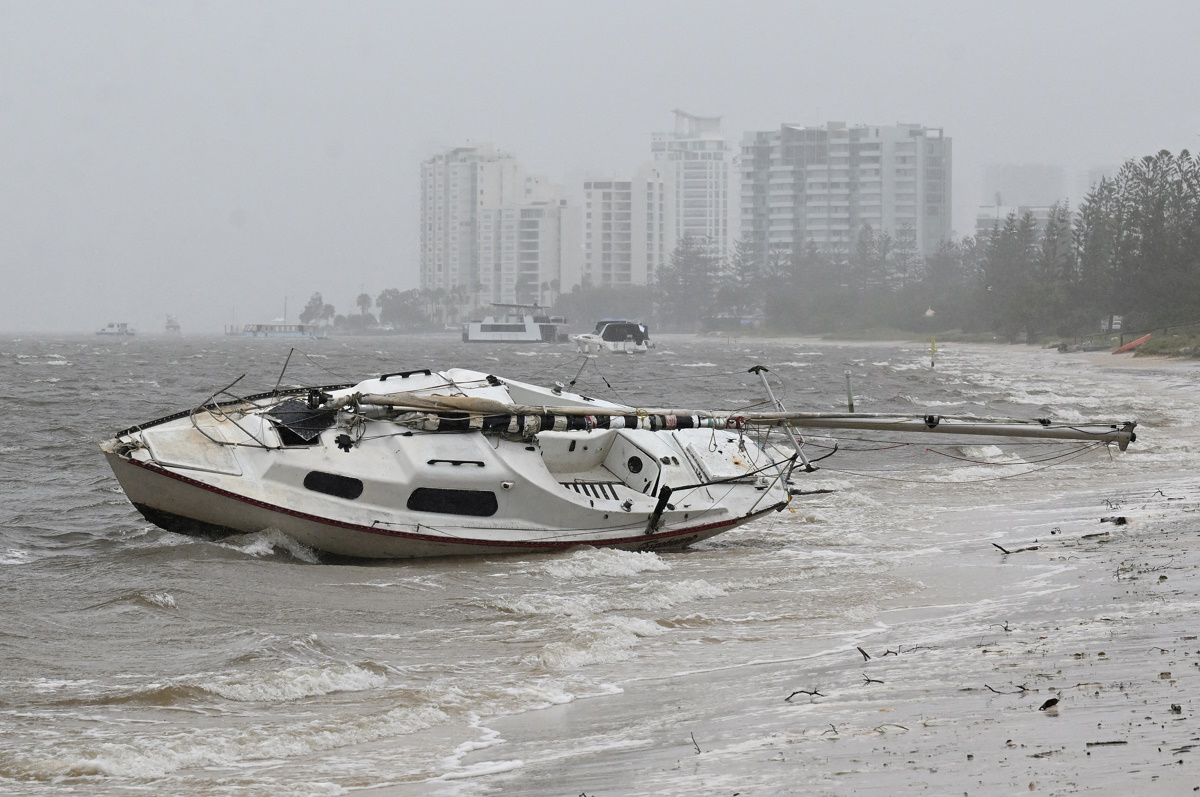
<point x="212" y="160"/>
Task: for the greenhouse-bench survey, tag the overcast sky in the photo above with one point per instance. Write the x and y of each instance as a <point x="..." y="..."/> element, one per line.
<point x="211" y="158"/>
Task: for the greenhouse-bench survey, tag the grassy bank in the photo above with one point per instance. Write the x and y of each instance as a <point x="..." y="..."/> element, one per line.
<point x="1173" y="345"/>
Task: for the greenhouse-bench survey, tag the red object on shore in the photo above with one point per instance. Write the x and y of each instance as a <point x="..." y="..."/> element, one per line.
<point x="1132" y="345"/>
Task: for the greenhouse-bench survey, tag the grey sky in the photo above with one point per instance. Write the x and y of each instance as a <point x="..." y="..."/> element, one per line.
<point x="190" y="158"/>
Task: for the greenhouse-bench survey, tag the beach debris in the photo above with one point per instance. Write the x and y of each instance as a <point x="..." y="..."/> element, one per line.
<point x="1016" y="550"/>
<point x="1116" y="520"/>
<point x="1113" y="506"/>
<point x="1050" y="704"/>
<point x="1004" y="626"/>
<point x="867" y="680"/>
<point x="879" y="728"/>
<point x="866" y="656"/>
<point x="1176" y="708"/>
<point x="694" y="742"/>
<point x="1105" y="744"/>
<point x="1021" y="689"/>
<point x="832" y="729"/>
<point x="810" y="693"/>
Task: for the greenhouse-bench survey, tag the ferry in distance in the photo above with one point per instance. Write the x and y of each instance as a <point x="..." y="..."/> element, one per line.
<point x="310" y="331"/>
<point x="119" y="329"/>
<point x="517" y="323"/>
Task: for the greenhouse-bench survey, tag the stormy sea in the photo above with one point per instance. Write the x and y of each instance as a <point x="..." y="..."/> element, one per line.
<point x="840" y="646"/>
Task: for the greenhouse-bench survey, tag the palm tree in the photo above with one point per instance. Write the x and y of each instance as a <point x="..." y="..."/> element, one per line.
<point x="364" y="302"/>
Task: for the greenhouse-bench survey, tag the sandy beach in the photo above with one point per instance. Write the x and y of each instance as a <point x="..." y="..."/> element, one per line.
<point x="1069" y="665"/>
<point x="1100" y="617"/>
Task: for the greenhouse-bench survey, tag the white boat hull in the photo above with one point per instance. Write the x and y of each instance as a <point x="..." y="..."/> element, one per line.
<point x="187" y="506"/>
<point x="396" y="492"/>
<point x="594" y="344"/>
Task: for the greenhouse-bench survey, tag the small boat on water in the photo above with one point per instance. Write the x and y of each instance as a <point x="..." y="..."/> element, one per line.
<point x="310" y="331"/>
<point x="517" y="323"/>
<point x="433" y="463"/>
<point x="120" y="329"/>
<point x="616" y="335"/>
<point x="173" y="327"/>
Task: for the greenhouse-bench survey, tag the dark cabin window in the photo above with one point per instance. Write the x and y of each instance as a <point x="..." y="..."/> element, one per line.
<point x="333" y="484"/>
<point x="453" y="502"/>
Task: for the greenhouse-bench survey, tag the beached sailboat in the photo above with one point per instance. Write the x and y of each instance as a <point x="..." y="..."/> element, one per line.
<point x="432" y="463"/>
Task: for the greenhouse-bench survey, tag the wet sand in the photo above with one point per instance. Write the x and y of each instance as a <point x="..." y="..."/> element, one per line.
<point x="1097" y="616"/>
<point x="1100" y="617"/>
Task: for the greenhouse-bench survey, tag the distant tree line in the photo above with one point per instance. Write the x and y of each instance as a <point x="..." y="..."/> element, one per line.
<point x="400" y="311"/>
<point x="1132" y="249"/>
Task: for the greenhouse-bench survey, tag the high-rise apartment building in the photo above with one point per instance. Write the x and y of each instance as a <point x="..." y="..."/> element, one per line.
<point x="705" y="181"/>
<point x="493" y="231"/>
<point x="822" y="184"/>
<point x="628" y="226"/>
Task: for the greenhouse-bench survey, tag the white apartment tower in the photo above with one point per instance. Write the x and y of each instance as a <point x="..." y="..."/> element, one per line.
<point x="628" y="226"/>
<point x="492" y="231"/>
<point x="702" y="164"/>
<point x="822" y="184"/>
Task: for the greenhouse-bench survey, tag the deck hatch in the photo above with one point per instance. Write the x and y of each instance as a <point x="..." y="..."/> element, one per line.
<point x="298" y="424"/>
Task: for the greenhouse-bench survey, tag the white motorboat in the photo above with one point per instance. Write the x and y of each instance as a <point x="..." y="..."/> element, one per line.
<point x="517" y="323"/>
<point x="432" y="463"/>
<point x="615" y="335"/>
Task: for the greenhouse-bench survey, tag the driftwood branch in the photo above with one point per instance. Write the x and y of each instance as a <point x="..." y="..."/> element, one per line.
<point x="1016" y="550"/>
<point x="1021" y="689"/>
<point x="866" y="656"/>
<point x="694" y="742"/>
<point x="812" y="693"/>
<point x="867" y="680"/>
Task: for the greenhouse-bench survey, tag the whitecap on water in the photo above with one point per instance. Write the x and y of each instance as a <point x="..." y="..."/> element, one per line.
<point x="293" y="683"/>
<point x="15" y="556"/>
<point x="268" y="543"/>
<point x="598" y="640"/>
<point x="604" y="562"/>
<point x="162" y="599"/>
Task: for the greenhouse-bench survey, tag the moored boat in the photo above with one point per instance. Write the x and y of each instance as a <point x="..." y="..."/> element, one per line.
<point x="616" y="335"/>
